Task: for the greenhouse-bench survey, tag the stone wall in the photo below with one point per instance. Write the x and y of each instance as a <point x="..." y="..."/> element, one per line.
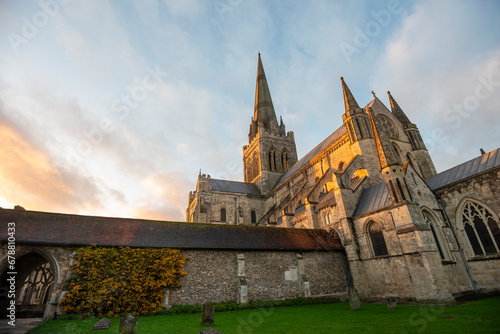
<point x="483" y="189"/>
<point x="213" y="275"/>
<point x="221" y="275"/>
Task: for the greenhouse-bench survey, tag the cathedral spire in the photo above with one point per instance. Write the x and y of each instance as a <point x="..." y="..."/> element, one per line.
<point x="264" y="110"/>
<point x="349" y="100"/>
<point x="397" y="111"/>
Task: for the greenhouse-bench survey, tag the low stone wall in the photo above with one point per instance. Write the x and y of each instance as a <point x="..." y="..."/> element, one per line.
<point x="216" y="275"/>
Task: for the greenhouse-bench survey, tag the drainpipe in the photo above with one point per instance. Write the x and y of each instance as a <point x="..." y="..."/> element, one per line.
<point x="442" y="205"/>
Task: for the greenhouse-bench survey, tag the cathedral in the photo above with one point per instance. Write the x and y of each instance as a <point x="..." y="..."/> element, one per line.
<point x="407" y="231"/>
<point x="365" y="209"/>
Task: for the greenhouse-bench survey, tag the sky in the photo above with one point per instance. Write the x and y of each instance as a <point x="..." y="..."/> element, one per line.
<point x="111" y="108"/>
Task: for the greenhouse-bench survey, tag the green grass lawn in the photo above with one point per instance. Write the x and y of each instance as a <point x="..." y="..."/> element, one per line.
<point x="476" y="317"/>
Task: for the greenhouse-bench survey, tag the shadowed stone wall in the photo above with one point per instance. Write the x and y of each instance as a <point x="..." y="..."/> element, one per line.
<point x="222" y="275"/>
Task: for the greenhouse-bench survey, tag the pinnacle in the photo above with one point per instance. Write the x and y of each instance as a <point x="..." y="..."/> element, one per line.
<point x="397" y="111"/>
<point x="349" y="100"/>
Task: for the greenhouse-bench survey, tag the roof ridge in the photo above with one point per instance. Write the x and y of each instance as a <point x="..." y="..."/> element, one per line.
<point x="466" y="169"/>
<point x="463" y="163"/>
<point x="335" y="134"/>
<point x="229" y="180"/>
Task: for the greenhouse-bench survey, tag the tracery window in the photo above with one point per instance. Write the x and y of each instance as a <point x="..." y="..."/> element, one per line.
<point x="377" y="239"/>
<point x="36" y="287"/>
<point x="387" y="126"/>
<point x="481" y="228"/>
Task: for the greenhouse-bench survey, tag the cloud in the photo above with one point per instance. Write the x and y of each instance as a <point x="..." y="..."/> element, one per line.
<point x="63" y="84"/>
<point x="31" y="180"/>
<point x="432" y="64"/>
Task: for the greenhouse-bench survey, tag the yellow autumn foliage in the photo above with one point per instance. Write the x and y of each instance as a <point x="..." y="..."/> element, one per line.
<point x="110" y="281"/>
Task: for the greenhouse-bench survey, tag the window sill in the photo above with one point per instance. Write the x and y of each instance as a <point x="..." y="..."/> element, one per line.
<point x="484" y="257"/>
<point x="445" y="262"/>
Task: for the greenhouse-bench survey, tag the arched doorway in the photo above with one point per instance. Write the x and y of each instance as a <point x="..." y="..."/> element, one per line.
<point x="34" y="279"/>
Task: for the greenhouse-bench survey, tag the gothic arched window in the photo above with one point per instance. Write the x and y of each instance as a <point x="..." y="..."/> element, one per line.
<point x="284" y="160"/>
<point x="272" y="160"/>
<point x="377" y="239"/>
<point x="36" y="287"/>
<point x="335" y="235"/>
<point x="250" y="175"/>
<point x="326" y="219"/>
<point x="481" y="228"/>
<point x="438" y="236"/>
<point x="222" y="215"/>
<point x="253" y="216"/>
<point x="255" y="166"/>
<point x="396" y="151"/>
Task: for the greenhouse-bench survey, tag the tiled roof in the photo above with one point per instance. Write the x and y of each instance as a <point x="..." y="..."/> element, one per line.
<point x="74" y="230"/>
<point x="234" y="186"/>
<point x="356" y="182"/>
<point x="326" y="197"/>
<point x="326" y="200"/>
<point x="325" y="143"/>
<point x="462" y="171"/>
<point x="372" y="199"/>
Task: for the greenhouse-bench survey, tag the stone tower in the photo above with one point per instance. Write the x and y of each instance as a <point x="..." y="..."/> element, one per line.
<point x="271" y="150"/>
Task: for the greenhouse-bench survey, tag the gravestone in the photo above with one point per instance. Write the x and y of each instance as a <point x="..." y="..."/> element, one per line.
<point x="207" y="313"/>
<point x="209" y="330"/>
<point x="391" y="302"/>
<point x="354" y="299"/>
<point x="128" y="324"/>
<point x="102" y="324"/>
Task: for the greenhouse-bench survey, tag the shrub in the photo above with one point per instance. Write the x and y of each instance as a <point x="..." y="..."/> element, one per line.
<point x="112" y="281"/>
